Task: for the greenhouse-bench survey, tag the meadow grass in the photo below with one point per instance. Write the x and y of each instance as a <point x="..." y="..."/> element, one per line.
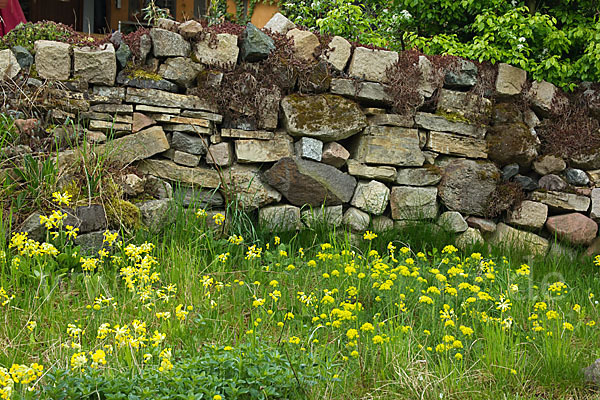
<point x="204" y="310"/>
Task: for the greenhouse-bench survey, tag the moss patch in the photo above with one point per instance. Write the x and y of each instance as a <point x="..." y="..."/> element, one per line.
<point x="123" y="213"/>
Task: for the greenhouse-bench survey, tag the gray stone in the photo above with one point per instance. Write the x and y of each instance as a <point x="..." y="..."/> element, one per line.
<point x="137" y="146"/>
<point x="595" y="211"/>
<point x="552" y="182"/>
<point x="188" y="143"/>
<point x="309" y="148"/>
<point x="53" y="60"/>
<point x="468" y="238"/>
<point x="527" y="183"/>
<point x="181" y="70"/>
<point x="427" y="176"/>
<point x="187" y="159"/>
<point x="509" y="171"/>
<point x="305" y="43"/>
<point x="268" y="107"/>
<point x="530" y="119"/>
<point x="381" y="173"/>
<point x="217" y="118"/>
<point x="9" y="66"/>
<point x="308" y="182"/>
<point x="372" y="65"/>
<point x="112" y="108"/>
<point x="157" y="214"/>
<point x="23" y="56"/>
<point x="167" y="24"/>
<point x="190" y="29"/>
<point x="95" y="65"/>
<point x="389" y="146"/>
<point x="158" y="188"/>
<point x="365" y="92"/>
<point x="562" y="201"/>
<point x="510" y="80"/>
<point x="413" y="203"/>
<point x="586" y="161"/>
<point x="440" y="123"/>
<point x="528" y="215"/>
<point x="371" y="197"/>
<point x="145" y="47"/>
<point x="325" y="117"/>
<point x="466" y="186"/>
<point x="124" y="79"/>
<point x="463" y="105"/>
<point x="197" y="198"/>
<point x="462" y="76"/>
<point x="511" y="143"/>
<point x="152" y="97"/>
<point x="482" y="224"/>
<point x="323" y="216"/>
<point x="166" y="169"/>
<point x="279" y="24"/>
<point x="334" y="154"/>
<point x="356" y="220"/>
<point x="508" y="237"/>
<point x="576" y="177"/>
<point x="456" y="145"/>
<point x="123" y="55"/>
<point x="452" y="221"/>
<point x="280" y="218"/>
<point x="244" y="134"/>
<point x="549" y="164"/>
<point x="249" y="187"/>
<point x="224" y="54"/>
<point x="251" y="151"/>
<point x="168" y="44"/>
<point x="256" y="45"/>
<point x="338" y="53"/>
<point x="33" y="228"/>
<point x="542" y="97"/>
<point x="141" y="121"/>
<point x="381" y="223"/>
<point x="592" y="373"/>
<point x="91" y="243"/>
<point x="132" y="185"/>
<point x="406" y="121"/>
<point x="220" y="154"/>
<point x="91" y="218"/>
<point x="427" y="84"/>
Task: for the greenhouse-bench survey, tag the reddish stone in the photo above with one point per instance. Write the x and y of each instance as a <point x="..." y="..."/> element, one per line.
<point x="141" y="121"/>
<point x="27" y="127"/>
<point x="575" y="228"/>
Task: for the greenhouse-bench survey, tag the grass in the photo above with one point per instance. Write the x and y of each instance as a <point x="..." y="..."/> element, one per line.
<point x="335" y="316"/>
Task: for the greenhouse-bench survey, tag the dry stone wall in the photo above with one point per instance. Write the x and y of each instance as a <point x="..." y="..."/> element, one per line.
<point x="333" y="151"/>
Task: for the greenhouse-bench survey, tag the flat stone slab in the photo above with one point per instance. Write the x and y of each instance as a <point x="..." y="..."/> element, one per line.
<point x="562" y="201"/>
<point x="514" y="238"/>
<point x="166" y="169"/>
<point x="389" y="145"/>
<point x="440" y="123"/>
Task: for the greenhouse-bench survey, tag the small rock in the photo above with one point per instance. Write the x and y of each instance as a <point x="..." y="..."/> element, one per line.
<point x="509" y="171"/>
<point x="529" y="214"/>
<point x="305" y="44"/>
<point x="552" y="182"/>
<point x="372" y="65"/>
<point x="324" y="216"/>
<point x="413" y="203"/>
<point x="452" y="221"/>
<point x="158" y="188"/>
<point x="549" y="164"/>
<point x="574" y="228"/>
<point x="132" y="185"/>
<point x="188" y="143"/>
<point x="338" y="53"/>
<point x="280" y="218"/>
<point x="168" y="44"/>
<point x="510" y="80"/>
<point x="380" y="173"/>
<point x="309" y="148"/>
<point x="356" y="220"/>
<point x="527" y="183"/>
<point x="95" y="65"/>
<point x="484" y="225"/>
<point x="222" y="55"/>
<point x="220" y="154"/>
<point x="334" y="154"/>
<point x="141" y="121"/>
<point x="561" y="201"/>
<point x="181" y="70"/>
<point x="198" y="198"/>
<point x="190" y="29"/>
<point x="279" y="24"/>
<point x="468" y="238"/>
<point x="576" y="177"/>
<point x="592" y="373"/>
<point x="53" y="60"/>
<point x="91" y="243"/>
<point x="508" y="237"/>
<point x="371" y="197"/>
<point x="157" y="214"/>
<point x="92" y="218"/>
<point x="187" y="159"/>
<point x="256" y="45"/>
<point x="463" y="76"/>
<point x="23" y="56"/>
<point x="167" y="24"/>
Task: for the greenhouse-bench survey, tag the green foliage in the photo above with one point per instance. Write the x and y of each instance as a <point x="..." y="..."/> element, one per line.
<point x="246" y="372"/>
<point x="152" y="12"/>
<point x="27" y="34"/>
<point x="557" y="41"/>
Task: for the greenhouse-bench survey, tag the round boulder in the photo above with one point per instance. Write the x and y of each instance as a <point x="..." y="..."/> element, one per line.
<point x="574" y="228"/>
<point x="511" y="143"/>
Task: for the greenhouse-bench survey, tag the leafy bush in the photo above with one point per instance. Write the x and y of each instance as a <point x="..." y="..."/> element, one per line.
<point x="248" y="372"/>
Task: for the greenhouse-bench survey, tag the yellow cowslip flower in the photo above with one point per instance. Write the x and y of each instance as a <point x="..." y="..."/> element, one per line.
<point x="78" y="361"/>
<point x="568" y="326"/>
<point x="458" y="356"/>
<point x="201" y="213"/>
<point x="219" y="218"/>
<point x="524" y="270"/>
<point x="426" y="300"/>
<point x="552" y="314"/>
<point x="577" y="308"/>
<point x="31" y="325"/>
<point x="258" y="303"/>
<point x="369" y="235"/>
<point x="294" y="340"/>
<point x="449" y="249"/>
<point x="98" y="358"/>
<point x="217" y="397"/>
<point x="288" y="316"/>
<point x="377" y="339"/>
<point x="465" y="330"/>
<point x="62" y="198"/>
<point x="223" y="257"/>
<point x="276" y="240"/>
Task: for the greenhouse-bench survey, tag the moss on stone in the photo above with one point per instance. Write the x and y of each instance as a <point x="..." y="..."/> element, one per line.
<point x="123" y="213"/>
<point x="453" y="116"/>
<point x="145" y="75"/>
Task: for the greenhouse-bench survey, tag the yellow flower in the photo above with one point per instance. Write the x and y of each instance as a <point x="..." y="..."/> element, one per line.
<point x="352" y="334"/>
<point x="367" y="327"/>
<point x="377" y="339"/>
<point x="369" y="235"/>
<point x="31" y="325"/>
<point x="62" y="198"/>
<point x="217" y="397"/>
<point x="219" y="218"/>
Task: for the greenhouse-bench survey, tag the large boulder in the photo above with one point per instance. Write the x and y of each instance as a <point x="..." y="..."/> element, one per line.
<point x="308" y="182"/>
<point x="9" y="66"/>
<point x="95" y="65"/>
<point x="467" y="185"/>
<point x="169" y="44"/>
<point x="574" y="228"/>
<point x="325" y="117"/>
<point x="511" y="143"/>
<point x="53" y="60"/>
<point x="224" y="54"/>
